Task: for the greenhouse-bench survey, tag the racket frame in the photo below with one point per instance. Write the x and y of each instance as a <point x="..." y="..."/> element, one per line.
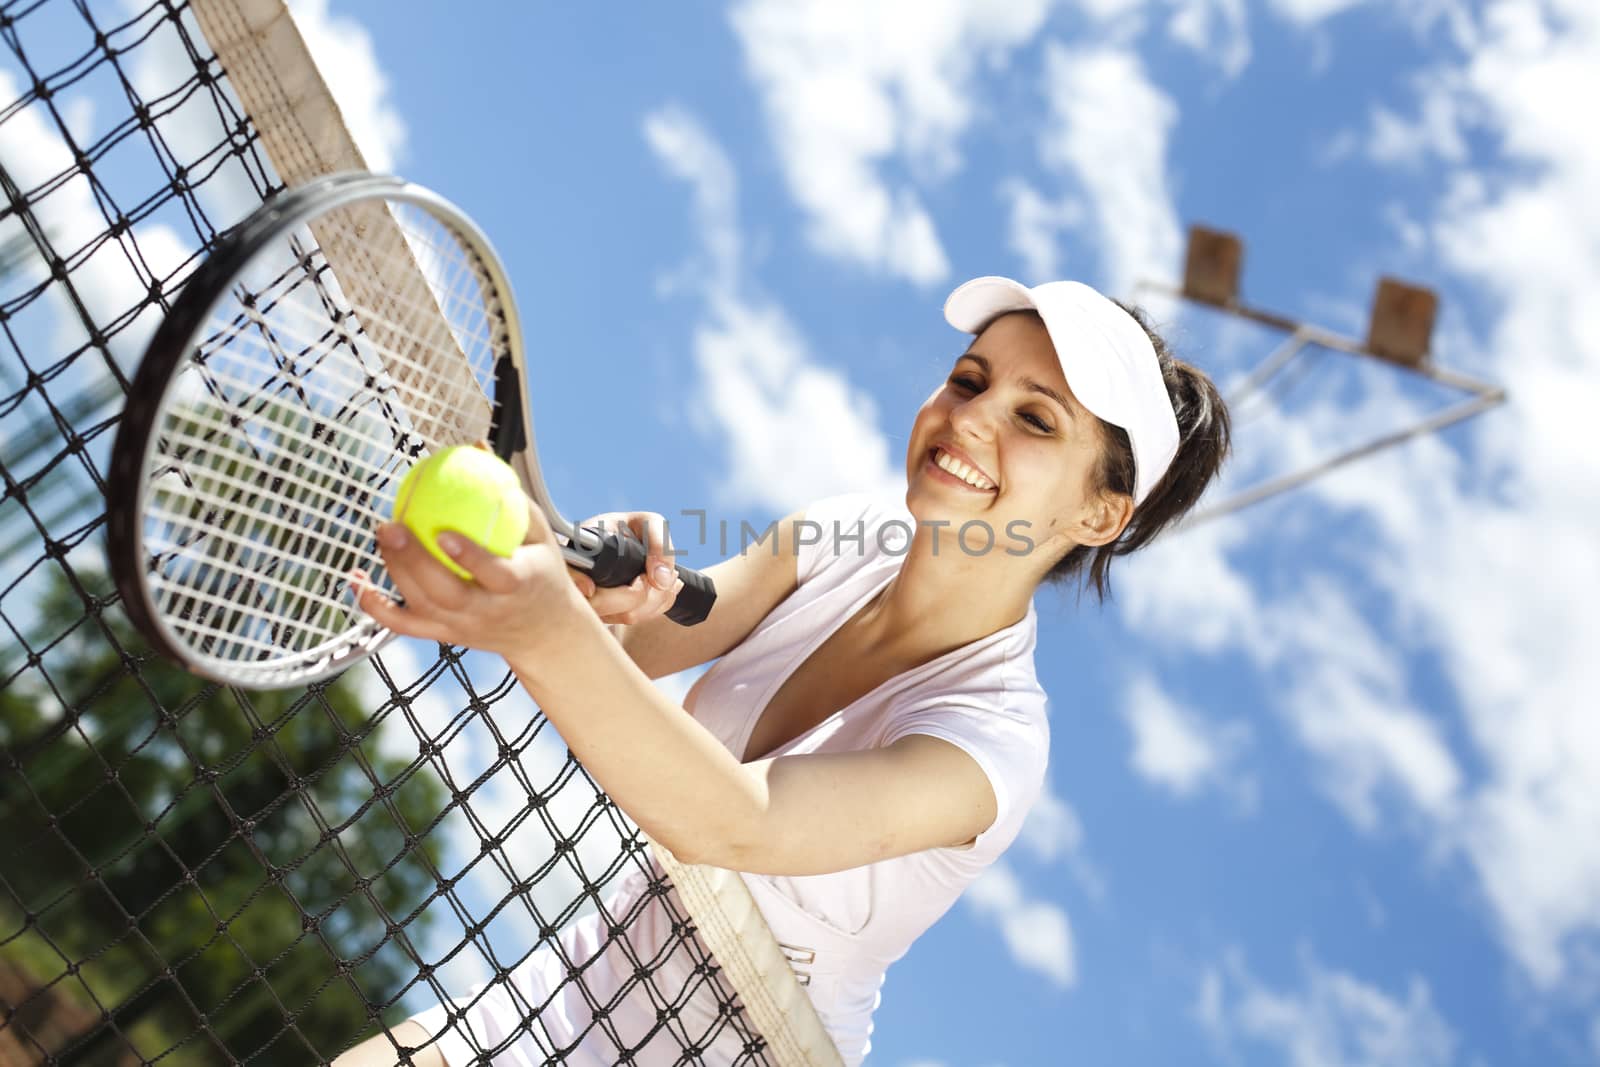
<point x="173" y="343"/>
<point x="610" y="557"/>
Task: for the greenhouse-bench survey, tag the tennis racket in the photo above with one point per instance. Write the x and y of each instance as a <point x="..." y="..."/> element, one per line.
<point x="343" y="331"/>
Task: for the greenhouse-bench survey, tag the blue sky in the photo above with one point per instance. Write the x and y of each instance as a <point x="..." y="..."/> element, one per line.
<point x="1325" y="786"/>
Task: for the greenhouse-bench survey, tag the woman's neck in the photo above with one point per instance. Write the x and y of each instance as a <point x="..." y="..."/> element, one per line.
<point x="938" y="602"/>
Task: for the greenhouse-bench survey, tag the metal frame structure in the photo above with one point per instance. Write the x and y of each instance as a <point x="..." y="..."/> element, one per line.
<point x="1399" y="333"/>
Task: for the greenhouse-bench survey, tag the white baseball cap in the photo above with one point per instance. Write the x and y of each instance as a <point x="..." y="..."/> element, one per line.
<point x="1105" y="354"/>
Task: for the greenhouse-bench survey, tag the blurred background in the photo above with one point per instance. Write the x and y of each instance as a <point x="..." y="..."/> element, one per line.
<point x="1325" y="784"/>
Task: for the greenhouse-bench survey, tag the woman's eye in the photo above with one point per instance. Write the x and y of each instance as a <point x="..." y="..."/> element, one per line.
<point x="971" y="385"/>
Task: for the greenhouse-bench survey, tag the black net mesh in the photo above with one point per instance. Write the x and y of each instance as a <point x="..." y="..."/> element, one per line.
<point x="191" y="873"/>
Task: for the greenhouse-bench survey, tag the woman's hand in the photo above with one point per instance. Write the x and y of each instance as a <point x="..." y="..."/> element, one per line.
<point x="653" y="592"/>
<point x="513" y="606"/>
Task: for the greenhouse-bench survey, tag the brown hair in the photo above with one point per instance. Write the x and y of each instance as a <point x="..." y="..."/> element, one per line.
<point x="1204" y="439"/>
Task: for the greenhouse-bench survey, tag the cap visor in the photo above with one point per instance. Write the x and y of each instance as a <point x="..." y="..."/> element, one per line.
<point x="975" y="304"/>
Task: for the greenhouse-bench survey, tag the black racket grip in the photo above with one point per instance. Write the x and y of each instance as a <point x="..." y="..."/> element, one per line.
<point x="620" y="557"/>
<point x="694" y="599"/>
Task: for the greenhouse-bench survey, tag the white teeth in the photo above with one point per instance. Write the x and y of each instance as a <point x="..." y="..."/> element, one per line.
<point x="949" y="463"/>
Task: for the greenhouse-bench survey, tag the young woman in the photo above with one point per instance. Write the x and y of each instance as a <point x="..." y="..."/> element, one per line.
<point x="873" y="734"/>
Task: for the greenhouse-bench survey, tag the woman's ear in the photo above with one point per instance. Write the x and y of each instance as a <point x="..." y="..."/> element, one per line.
<point x="1104" y="518"/>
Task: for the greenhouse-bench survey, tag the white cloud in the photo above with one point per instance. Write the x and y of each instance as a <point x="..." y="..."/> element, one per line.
<point x="1186" y="588"/>
<point x="1346" y="701"/>
<point x="1420" y="15"/>
<point x="1207" y="1009"/>
<point x="1307" y="12"/>
<point x="1481" y="553"/>
<point x="1037" y="932"/>
<point x="1355" y="401"/>
<point x="402" y="660"/>
<point x="1177" y="749"/>
<point x="852" y="91"/>
<point x="795" y="431"/>
<point x="1052" y="829"/>
<point x="1036" y="223"/>
<point x="1521" y="661"/>
<point x="1334" y="1020"/>
<point x="691" y="155"/>
<point x="1434" y="133"/>
<point x="1112" y="11"/>
<point x="191" y="128"/>
<point x="1217" y="29"/>
<point x="1108" y="133"/>
<point x="1338" y="687"/>
<point x="78" y="115"/>
<point x="70" y="216"/>
<point x="343" y="51"/>
<point x="1053" y="834"/>
<point x="347" y="61"/>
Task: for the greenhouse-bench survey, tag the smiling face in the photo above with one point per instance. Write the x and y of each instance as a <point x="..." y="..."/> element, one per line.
<point x="1004" y="439"/>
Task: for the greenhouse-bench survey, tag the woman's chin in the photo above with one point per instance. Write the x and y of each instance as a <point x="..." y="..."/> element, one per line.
<point x="931" y="503"/>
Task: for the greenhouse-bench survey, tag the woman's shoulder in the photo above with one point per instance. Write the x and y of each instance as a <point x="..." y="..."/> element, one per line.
<point x="850" y="528"/>
<point x="844" y="510"/>
<point x="995" y="706"/>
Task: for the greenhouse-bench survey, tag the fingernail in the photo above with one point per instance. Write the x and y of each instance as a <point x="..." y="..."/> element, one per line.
<point x="664" y="575"/>
<point x="392" y="535"/>
<point x="450" y="544"/>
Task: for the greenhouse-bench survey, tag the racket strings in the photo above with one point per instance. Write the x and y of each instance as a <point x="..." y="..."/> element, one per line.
<point x="254" y="568"/>
<point x="435" y="339"/>
<point x="308" y="398"/>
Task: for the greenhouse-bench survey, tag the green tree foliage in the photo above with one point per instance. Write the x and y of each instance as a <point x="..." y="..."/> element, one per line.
<point x="197" y="873"/>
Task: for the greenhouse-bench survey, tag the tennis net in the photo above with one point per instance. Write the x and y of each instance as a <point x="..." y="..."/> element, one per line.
<point x="198" y="874"/>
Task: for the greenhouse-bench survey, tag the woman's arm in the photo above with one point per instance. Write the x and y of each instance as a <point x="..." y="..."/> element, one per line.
<point x="791" y="815"/>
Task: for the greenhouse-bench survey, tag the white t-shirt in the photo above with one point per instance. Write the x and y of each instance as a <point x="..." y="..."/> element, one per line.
<point x="842" y="930"/>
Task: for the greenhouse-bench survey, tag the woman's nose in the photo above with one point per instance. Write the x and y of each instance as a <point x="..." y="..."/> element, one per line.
<point x="975" y="416"/>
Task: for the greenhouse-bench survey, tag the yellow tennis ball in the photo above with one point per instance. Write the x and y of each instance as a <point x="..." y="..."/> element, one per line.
<point x="468" y="490"/>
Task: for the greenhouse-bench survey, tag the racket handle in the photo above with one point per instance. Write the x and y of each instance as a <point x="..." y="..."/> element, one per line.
<point x="619" y="557"/>
<point x="694" y="599"/>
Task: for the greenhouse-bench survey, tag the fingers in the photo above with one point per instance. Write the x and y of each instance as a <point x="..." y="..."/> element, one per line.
<point x="651" y="529"/>
<point x="611" y="603"/>
<point x="497" y="574"/>
<point x="655" y="602"/>
<point x="386" y="612"/>
<point x="509" y="604"/>
<point x="419" y="577"/>
<point x="584" y="583"/>
<point x="635" y="602"/>
<point x="650" y="593"/>
<point x="658" y="549"/>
